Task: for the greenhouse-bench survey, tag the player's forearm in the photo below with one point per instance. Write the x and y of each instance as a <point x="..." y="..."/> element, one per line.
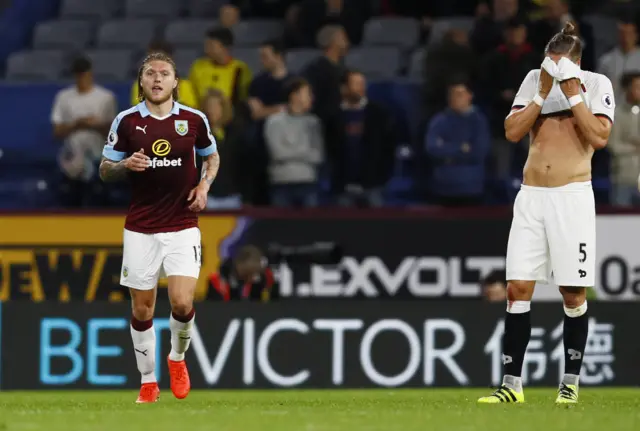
<point x="210" y="169"/>
<point x="519" y="123"/>
<point x="596" y="133"/>
<point x="112" y="171"/>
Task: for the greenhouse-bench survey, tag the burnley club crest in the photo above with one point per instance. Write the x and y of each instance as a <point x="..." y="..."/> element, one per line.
<point x="182" y="127"/>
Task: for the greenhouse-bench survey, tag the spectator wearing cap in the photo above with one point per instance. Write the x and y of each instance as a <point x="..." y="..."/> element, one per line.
<point x="624" y="58"/>
<point x="185" y="88"/>
<point x="504" y="70"/>
<point x="81" y="117"/>
<point x="219" y="70"/>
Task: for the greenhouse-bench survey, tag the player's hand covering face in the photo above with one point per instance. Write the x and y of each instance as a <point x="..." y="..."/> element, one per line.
<point x="546" y="82"/>
<point x="570" y="87"/>
<point x="158" y="81"/>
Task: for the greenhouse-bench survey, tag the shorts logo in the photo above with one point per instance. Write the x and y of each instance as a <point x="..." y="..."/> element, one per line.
<point x="112" y="139"/>
<point x="125" y="271"/>
<point x="607" y="100"/>
<point x="182" y="127"/>
<point x="575" y="355"/>
<point x="161" y="147"/>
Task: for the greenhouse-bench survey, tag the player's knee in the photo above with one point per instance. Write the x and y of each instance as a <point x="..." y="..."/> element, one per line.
<point x="143" y="311"/>
<point x="182" y="308"/>
<point x="520" y="290"/>
<point x="573" y="297"/>
<point x="143" y="305"/>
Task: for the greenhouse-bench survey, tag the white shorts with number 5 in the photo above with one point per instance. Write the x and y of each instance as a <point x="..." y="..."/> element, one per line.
<point x="147" y="257"/>
<point x="553" y="233"/>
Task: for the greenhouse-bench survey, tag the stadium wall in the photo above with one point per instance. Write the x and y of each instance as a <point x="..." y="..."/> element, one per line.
<point x="391" y="254"/>
<point x="310" y="344"/>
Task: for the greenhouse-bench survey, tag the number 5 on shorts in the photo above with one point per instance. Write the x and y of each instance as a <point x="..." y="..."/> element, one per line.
<point x="197" y="253"/>
<point x="583" y="252"/>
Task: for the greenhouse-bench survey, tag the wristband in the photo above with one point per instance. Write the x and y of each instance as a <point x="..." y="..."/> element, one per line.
<point x="575" y="100"/>
<point x="538" y="100"/>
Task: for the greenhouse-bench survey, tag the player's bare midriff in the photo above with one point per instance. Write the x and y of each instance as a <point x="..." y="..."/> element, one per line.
<point x="558" y="153"/>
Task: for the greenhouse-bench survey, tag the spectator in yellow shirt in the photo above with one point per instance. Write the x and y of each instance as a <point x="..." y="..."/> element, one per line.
<point x="218" y="70"/>
<point x="187" y="95"/>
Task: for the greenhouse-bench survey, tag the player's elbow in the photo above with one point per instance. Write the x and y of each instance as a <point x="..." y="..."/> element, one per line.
<point x="512" y="135"/>
<point x="599" y="143"/>
<point x="103" y="172"/>
<point x="512" y="132"/>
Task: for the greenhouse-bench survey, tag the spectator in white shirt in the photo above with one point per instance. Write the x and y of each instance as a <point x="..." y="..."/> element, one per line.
<point x="81" y="116"/>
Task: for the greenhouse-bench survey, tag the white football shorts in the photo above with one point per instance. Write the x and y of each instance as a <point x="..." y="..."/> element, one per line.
<point x="553" y="235"/>
<point x="147" y="257"/>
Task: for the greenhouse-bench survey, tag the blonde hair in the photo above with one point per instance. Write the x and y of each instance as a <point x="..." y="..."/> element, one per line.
<point x="156" y="56"/>
<point x="566" y="42"/>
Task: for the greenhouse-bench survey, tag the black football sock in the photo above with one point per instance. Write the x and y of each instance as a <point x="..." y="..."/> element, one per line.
<point x="517" y="331"/>
<point x="576" y="330"/>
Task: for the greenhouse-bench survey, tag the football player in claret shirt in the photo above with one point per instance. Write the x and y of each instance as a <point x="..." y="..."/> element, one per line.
<point x="155" y="144"/>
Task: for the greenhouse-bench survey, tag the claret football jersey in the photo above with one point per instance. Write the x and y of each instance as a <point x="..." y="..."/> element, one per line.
<point x="159" y="194"/>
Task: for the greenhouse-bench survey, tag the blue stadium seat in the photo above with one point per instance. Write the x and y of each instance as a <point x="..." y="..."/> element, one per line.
<point x="184" y="58"/>
<point x="251" y="56"/>
<point x="254" y="32"/>
<point x="126" y="33"/>
<point x="442" y="26"/>
<point x="403" y="32"/>
<point x="205" y="8"/>
<point x="112" y="64"/>
<point x="94" y="9"/>
<point x="36" y="65"/>
<point x="375" y="62"/>
<point x="188" y="32"/>
<point x="153" y="8"/>
<point x="298" y="59"/>
<point x="64" y="34"/>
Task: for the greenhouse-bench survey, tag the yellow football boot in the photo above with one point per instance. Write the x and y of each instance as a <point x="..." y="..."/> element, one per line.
<point x="503" y="395"/>
<point x="567" y="394"/>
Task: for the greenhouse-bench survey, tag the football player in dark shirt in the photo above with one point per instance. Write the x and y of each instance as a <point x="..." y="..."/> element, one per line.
<point x="155" y="144"/>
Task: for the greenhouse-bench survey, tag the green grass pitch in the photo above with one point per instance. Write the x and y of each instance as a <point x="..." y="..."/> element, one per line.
<point x="382" y="410"/>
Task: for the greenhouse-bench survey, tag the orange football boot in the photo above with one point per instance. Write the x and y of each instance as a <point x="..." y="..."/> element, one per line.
<point x="180" y="382"/>
<point x="149" y="393"/>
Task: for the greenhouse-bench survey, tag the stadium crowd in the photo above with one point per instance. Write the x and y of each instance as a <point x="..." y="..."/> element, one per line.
<point x="299" y="127"/>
